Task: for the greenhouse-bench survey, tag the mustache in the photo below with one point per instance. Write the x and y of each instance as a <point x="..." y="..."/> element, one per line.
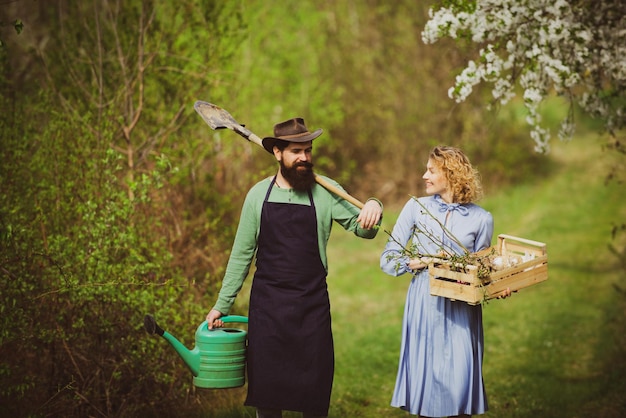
<point x="305" y="164"/>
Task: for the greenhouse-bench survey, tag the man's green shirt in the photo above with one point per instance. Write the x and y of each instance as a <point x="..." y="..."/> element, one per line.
<point x="328" y="208"/>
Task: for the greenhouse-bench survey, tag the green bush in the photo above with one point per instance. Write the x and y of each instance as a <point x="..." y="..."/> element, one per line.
<point x="85" y="256"/>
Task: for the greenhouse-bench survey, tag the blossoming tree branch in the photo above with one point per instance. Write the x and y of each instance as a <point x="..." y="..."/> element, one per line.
<point x="575" y="48"/>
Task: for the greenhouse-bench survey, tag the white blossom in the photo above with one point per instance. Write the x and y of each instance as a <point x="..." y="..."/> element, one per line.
<point x="532" y="95"/>
<point x="546" y="46"/>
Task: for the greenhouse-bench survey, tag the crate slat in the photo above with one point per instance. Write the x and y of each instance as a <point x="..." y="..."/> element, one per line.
<point x="468" y="287"/>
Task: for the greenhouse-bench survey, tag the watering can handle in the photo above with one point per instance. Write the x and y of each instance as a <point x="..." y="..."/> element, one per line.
<point x="227" y="318"/>
<point x="235" y="318"/>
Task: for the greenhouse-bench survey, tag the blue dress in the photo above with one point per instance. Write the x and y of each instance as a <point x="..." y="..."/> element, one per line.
<point x="440" y="366"/>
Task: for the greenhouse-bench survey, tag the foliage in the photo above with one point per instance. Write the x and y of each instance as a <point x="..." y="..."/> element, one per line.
<point x="394" y="108"/>
<point x="116" y="200"/>
<point x="78" y="272"/>
<point x="17" y="25"/>
<point x="576" y="48"/>
<point x="93" y="232"/>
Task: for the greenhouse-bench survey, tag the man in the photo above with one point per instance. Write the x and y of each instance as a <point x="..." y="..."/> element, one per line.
<point x="286" y="219"/>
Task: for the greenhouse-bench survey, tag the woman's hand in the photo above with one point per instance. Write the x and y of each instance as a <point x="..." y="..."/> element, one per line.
<point x="416" y="264"/>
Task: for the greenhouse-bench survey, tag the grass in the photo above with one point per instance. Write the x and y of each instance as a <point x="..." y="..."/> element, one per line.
<point x="555" y="350"/>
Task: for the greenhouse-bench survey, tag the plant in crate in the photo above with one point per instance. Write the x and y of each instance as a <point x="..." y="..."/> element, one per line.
<point x="513" y="264"/>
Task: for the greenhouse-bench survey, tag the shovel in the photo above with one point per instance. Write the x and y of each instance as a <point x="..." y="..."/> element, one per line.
<point x="218" y="118"/>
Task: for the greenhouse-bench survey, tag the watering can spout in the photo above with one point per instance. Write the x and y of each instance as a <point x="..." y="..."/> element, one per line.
<point x="190" y="357"/>
<point x="218" y="359"/>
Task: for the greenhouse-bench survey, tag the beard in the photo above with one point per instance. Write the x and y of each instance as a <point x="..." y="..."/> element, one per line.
<point x="300" y="175"/>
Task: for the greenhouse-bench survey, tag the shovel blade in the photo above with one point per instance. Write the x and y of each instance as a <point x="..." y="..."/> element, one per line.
<point x="215" y="117"/>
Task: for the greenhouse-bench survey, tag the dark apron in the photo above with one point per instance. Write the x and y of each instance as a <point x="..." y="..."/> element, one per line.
<point x="290" y="345"/>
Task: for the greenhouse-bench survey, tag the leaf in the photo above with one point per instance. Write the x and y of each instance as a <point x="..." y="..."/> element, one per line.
<point x="19" y="26"/>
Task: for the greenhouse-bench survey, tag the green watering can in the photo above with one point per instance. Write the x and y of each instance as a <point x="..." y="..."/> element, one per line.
<point x="218" y="360"/>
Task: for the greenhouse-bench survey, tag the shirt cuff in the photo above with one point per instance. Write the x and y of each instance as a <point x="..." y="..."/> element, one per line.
<point x="377" y="201"/>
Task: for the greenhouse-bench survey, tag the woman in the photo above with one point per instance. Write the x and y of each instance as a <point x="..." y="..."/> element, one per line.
<point x="440" y="366"/>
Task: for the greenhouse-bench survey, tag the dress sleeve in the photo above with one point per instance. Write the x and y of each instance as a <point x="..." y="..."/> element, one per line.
<point x="242" y="253"/>
<point x="392" y="260"/>
<point x="484" y="234"/>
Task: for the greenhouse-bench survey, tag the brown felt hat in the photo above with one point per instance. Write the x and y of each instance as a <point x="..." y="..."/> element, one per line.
<point x="292" y="130"/>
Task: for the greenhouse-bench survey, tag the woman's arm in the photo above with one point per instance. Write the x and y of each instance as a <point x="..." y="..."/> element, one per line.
<point x="392" y="259"/>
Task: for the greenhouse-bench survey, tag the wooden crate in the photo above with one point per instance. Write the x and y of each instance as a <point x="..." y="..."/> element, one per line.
<point x="468" y="287"/>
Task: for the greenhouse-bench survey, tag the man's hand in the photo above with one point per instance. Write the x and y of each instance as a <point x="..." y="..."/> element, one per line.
<point x="370" y="214"/>
<point x="213" y="319"/>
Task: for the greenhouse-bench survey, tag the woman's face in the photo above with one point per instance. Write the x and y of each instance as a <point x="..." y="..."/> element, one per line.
<point x="435" y="181"/>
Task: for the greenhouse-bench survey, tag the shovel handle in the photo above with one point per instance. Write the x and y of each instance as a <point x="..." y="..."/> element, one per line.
<point x="255" y="139"/>
<point x="218" y="118"/>
<point x="338" y="192"/>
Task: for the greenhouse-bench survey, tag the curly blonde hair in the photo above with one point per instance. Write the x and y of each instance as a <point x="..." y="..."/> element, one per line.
<point x="463" y="179"/>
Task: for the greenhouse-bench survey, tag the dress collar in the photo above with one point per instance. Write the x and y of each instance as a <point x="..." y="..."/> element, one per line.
<point x="449" y="207"/>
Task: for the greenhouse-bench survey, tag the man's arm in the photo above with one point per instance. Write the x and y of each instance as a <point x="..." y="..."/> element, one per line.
<point x="242" y="253"/>
<point x="362" y="222"/>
